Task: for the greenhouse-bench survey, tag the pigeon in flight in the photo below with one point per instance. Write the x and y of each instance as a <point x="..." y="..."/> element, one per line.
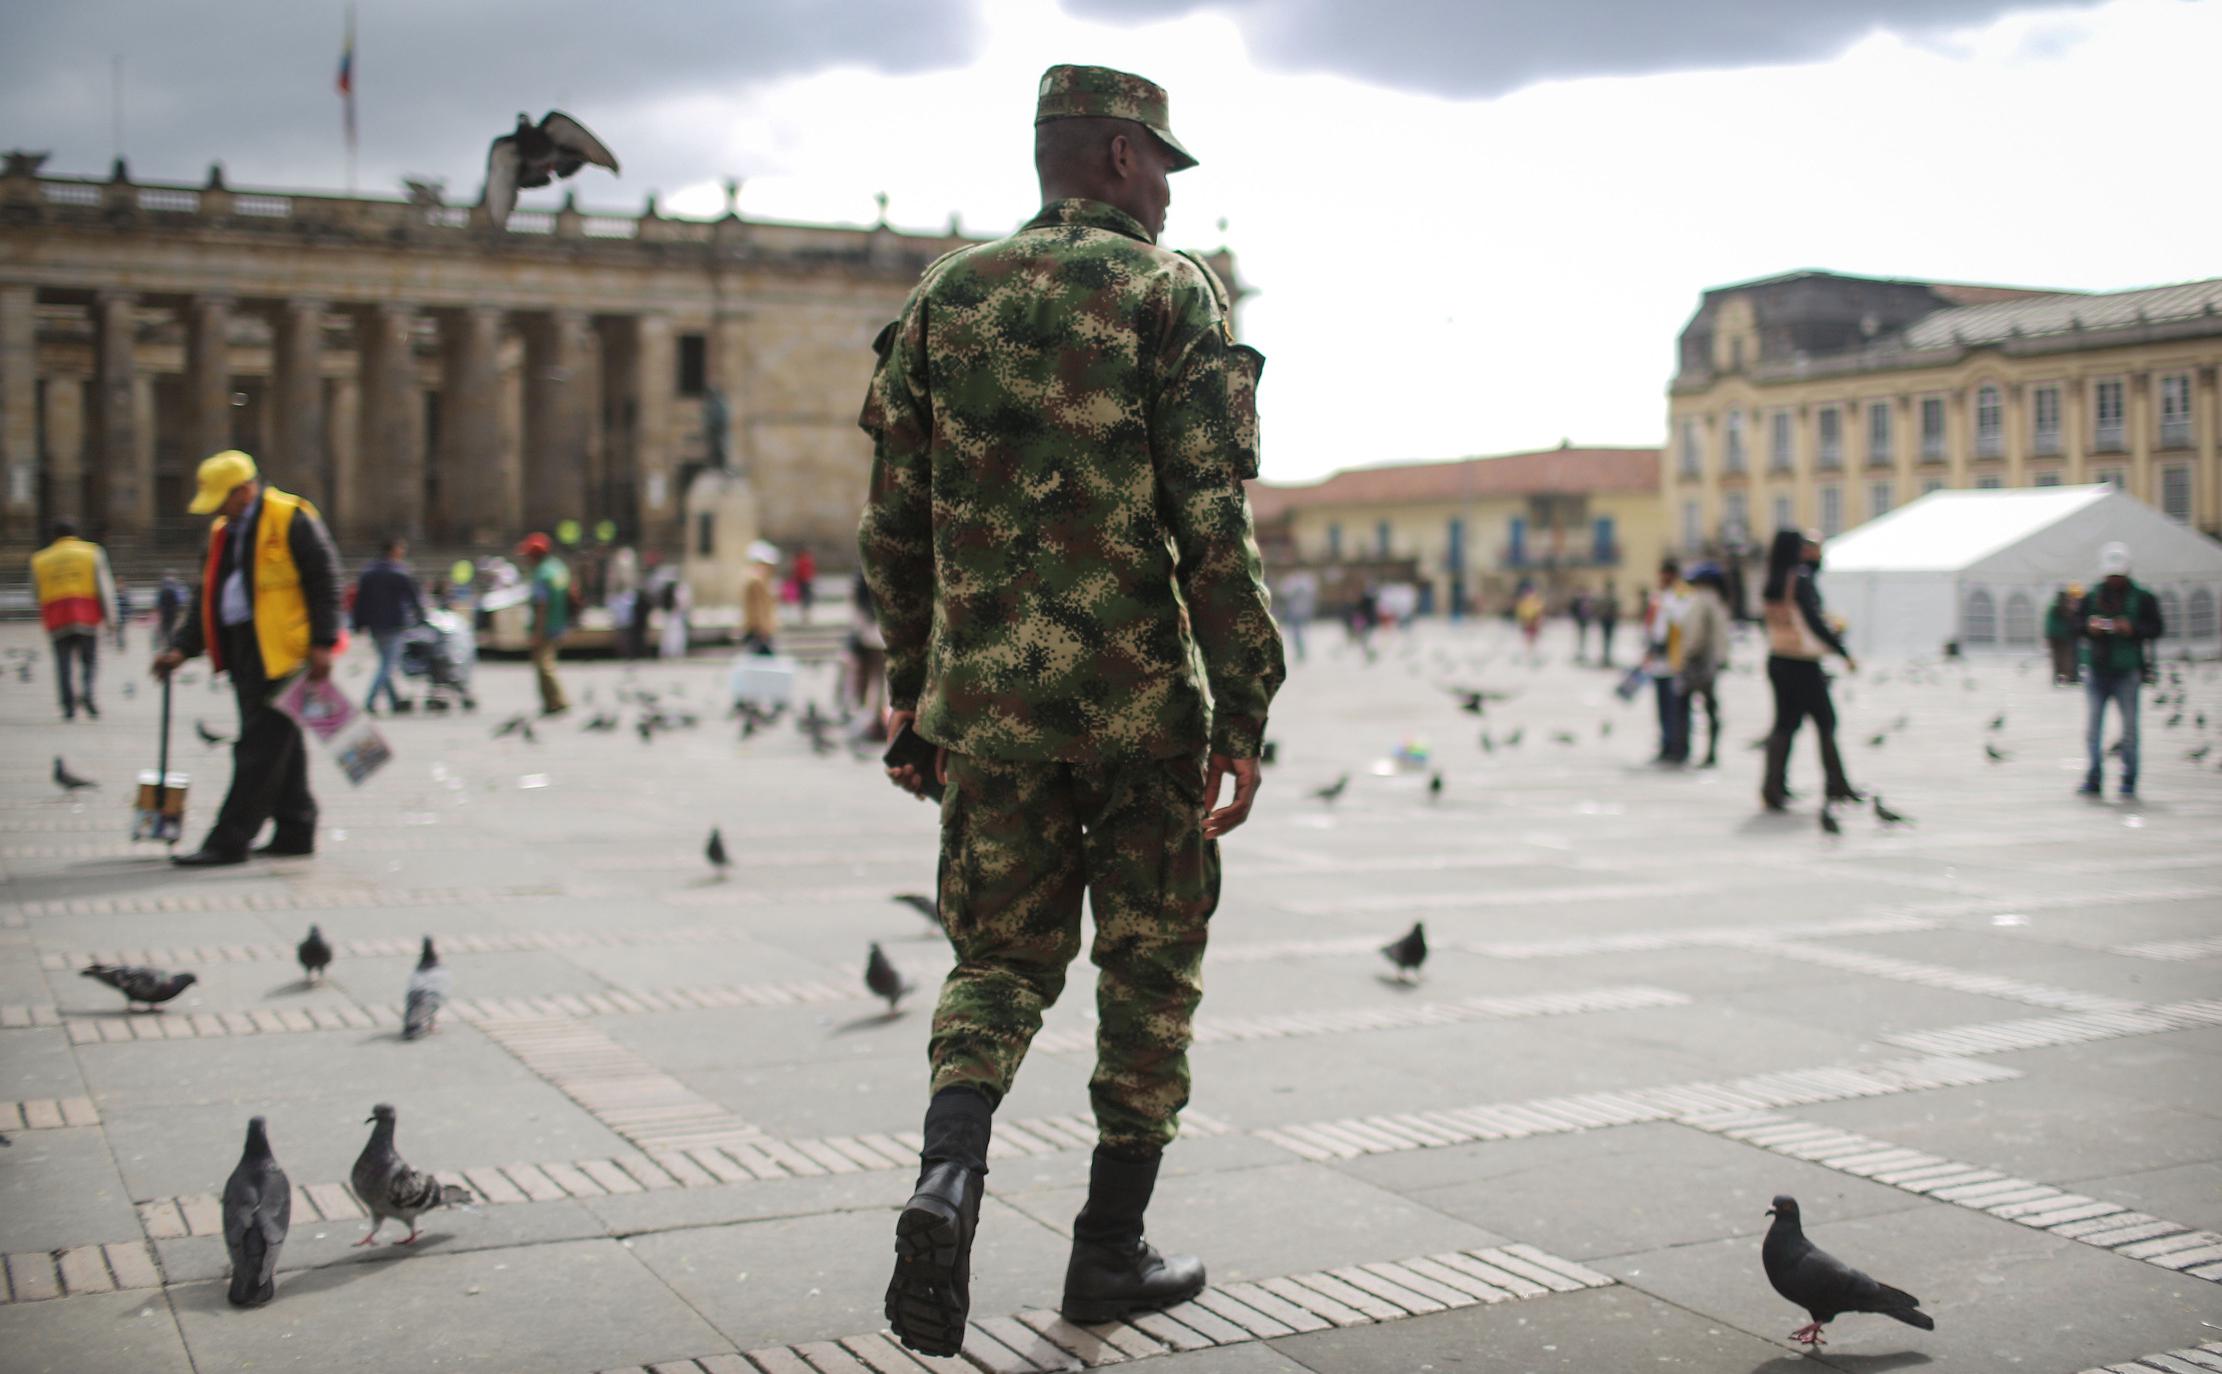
<point x="68" y="781"/>
<point x="140" y="984"/>
<point x="883" y="978"/>
<point x="388" y="1187"/>
<point x="714" y="851"/>
<point x="1886" y="815"/>
<point x="923" y="905"/>
<point x="258" y="1207"/>
<point x="429" y="987"/>
<point x="534" y="155"/>
<point x="209" y="737"/>
<point x="1408" y="951"/>
<point x="1824" y="1285"/>
<point x="314" y="953"/>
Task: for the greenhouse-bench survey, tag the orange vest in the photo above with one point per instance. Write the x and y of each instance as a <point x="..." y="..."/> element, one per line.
<point x="281" y="611"/>
<point x="67" y="573"/>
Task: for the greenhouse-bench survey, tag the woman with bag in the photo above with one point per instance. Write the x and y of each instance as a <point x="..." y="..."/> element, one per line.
<point x="1799" y="636"/>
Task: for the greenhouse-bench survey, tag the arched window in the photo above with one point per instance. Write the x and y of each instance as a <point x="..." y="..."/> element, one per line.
<point x="2171" y="614"/>
<point x="1979" y="619"/>
<point x="2021" y="620"/>
<point x="2200" y="623"/>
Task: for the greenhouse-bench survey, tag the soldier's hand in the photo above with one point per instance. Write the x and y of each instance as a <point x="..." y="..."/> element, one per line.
<point x="1246" y="774"/>
<point x="907" y="777"/>
<point x="166" y="662"/>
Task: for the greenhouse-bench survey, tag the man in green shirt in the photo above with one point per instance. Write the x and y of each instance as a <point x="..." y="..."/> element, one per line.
<point x="2116" y="621"/>
<point x="550" y="610"/>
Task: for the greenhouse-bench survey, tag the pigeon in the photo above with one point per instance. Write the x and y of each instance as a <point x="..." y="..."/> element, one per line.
<point x="68" y="781"/>
<point x="1824" y="1285"/>
<point x="1877" y="741"/>
<point x="1469" y="702"/>
<point x="315" y="955"/>
<point x="1993" y="753"/>
<point x="714" y="851"/>
<point x="2199" y="755"/>
<point x="1998" y="722"/>
<point x="209" y="737"/>
<point x="646" y="727"/>
<point x="1828" y="823"/>
<point x="2114" y="750"/>
<point x="1512" y="741"/>
<point x="1408" y="951"/>
<point x="1886" y="815"/>
<point x="1435" y="787"/>
<point x="602" y="723"/>
<point x="513" y="725"/>
<point x="1332" y="790"/>
<point x="1604" y="729"/>
<point x="883" y="978"/>
<point x="2175" y="720"/>
<point x="429" y="987"/>
<point x="534" y="155"/>
<point x="387" y="1187"/>
<point x="140" y="984"/>
<point x="923" y="905"/>
<point x="258" y="1207"/>
<point x="1488" y="745"/>
<point x="1564" y="736"/>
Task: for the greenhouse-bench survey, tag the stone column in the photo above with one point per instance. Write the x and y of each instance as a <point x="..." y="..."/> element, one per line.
<point x="559" y="418"/>
<point x="208" y="409"/>
<point x="358" y="515"/>
<point x="389" y="442"/>
<point x="65" y="447"/>
<point x="470" y="424"/>
<point x="19" y="412"/>
<point x="655" y="436"/>
<point x="122" y="469"/>
<point x="299" y="463"/>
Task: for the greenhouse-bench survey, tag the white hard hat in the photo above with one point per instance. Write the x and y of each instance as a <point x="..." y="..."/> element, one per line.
<point x="2114" y="558"/>
<point x="763" y="551"/>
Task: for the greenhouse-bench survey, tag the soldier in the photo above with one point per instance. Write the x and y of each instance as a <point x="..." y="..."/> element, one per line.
<point x="1075" y="614"/>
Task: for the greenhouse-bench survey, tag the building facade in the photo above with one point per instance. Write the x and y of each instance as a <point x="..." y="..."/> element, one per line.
<point x="1822" y="401"/>
<point x="1566" y="519"/>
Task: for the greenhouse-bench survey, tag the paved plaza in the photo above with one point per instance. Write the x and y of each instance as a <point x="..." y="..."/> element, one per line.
<point x="1984" y="1052"/>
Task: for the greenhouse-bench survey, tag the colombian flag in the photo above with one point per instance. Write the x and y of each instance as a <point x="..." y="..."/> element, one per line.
<point x="347" y="76"/>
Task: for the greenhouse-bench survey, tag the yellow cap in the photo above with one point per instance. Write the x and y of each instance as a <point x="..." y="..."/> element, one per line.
<point x="220" y="475"/>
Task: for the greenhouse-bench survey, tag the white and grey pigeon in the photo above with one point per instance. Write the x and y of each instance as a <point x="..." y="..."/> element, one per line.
<point x="387" y="1187"/>
<point x="429" y="987"/>
<point x="534" y="155"/>
<point x="258" y="1208"/>
<point x="139" y="983"/>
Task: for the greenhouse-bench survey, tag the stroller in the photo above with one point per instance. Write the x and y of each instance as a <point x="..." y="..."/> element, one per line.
<point x="442" y="651"/>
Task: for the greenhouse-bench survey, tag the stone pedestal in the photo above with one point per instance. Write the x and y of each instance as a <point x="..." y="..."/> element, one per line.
<point x="720" y="523"/>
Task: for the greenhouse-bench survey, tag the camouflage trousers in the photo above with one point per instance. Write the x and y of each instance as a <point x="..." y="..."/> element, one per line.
<point x="1020" y="845"/>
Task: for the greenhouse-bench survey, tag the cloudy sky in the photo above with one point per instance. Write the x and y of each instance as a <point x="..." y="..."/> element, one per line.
<point x="1472" y="225"/>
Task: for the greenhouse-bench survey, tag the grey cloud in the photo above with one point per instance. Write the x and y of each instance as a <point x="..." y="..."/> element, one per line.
<point x="1485" y="48"/>
<point x="250" y="83"/>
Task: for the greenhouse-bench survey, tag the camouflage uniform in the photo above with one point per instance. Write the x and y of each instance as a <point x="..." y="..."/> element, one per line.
<point x="1070" y="590"/>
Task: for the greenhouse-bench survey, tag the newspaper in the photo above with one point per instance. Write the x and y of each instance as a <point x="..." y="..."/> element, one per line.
<point x="326" y="715"/>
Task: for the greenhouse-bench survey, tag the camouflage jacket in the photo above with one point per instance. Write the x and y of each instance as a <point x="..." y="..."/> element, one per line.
<point x="1057" y="532"/>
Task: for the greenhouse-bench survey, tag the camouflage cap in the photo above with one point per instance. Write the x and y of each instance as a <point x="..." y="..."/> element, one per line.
<point x="1070" y="92"/>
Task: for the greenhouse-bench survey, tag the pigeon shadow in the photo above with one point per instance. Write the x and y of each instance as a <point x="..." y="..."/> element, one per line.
<point x="210" y="1297"/>
<point x="1400" y="984"/>
<point x="878" y="1018"/>
<point x="1867" y="1364"/>
<point x="292" y="989"/>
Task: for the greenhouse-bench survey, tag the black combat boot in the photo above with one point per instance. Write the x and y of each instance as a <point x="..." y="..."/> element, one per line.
<point x="1774" y="788"/>
<point x="931" y="1292"/>
<point x="1840" y="788"/>
<point x="1113" y="1271"/>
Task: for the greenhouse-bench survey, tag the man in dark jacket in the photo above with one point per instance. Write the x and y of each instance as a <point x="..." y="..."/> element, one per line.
<point x="2116" y="621"/>
<point x="387" y="603"/>
<point x="2062" y="634"/>
<point x="267" y="607"/>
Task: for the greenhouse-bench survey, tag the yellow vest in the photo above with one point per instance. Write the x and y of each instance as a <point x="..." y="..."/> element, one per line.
<point x="281" y="612"/>
<point x="67" y="573"/>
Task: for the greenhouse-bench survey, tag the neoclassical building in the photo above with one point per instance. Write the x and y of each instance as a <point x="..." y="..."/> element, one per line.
<point x="1824" y="400"/>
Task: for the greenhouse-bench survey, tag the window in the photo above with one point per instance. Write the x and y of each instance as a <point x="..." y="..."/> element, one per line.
<point x="706" y="534"/>
<point x="1832" y="437"/>
<point x="1778" y="442"/>
<point x="2106" y="416"/>
<point x="1454" y="535"/>
<point x="1992" y="482"/>
<point x="1693" y="528"/>
<point x="694" y="364"/>
<point x="2175" y="492"/>
<point x="1979" y="619"/>
<point x="2021" y="620"/>
<point x="2109" y="476"/>
<point x="1732" y="448"/>
<point x="1736" y="355"/>
<point x="1932" y="429"/>
<point x="1782" y="519"/>
<point x="1693" y="450"/>
<point x="1735" y="517"/>
<point x="2047" y="479"/>
<point x="1381" y="539"/>
<point x="1334" y="542"/>
<point x="2171" y="613"/>
<point x="1878" y="434"/>
<point x="2044" y="404"/>
<point x="1990" y="422"/>
<point x="2175" y="410"/>
<point x="1878" y="498"/>
<point x="2199" y="623"/>
<point x="1832" y="511"/>
<point x="1516" y="541"/>
<point x="1604" y="540"/>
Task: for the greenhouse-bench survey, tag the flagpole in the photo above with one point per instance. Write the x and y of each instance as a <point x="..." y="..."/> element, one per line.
<point x="347" y="94"/>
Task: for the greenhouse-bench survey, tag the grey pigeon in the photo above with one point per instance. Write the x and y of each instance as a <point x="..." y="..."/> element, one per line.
<point x="1998" y="722"/>
<point x="139" y="984"/>
<point x="1333" y="789"/>
<point x="1512" y="741"/>
<point x="387" y="1187"/>
<point x="714" y="851"/>
<point x="1877" y="741"/>
<point x="429" y="987"/>
<point x="68" y="781"/>
<point x="315" y="955"/>
<point x="1435" y="787"/>
<point x="258" y="1207"/>
<point x="209" y="737"/>
<point x="923" y="905"/>
<point x="1824" y="1285"/>
<point x="1828" y="823"/>
<point x="883" y="978"/>
<point x="1886" y="815"/>
<point x="1408" y="951"/>
<point x="1488" y="745"/>
<point x="514" y="725"/>
<point x="536" y="154"/>
<point x="1563" y="736"/>
<point x="1994" y="754"/>
<point x="2199" y="755"/>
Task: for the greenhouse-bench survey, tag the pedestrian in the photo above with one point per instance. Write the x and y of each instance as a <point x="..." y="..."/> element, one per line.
<point x="387" y="603"/>
<point x="1662" y="660"/>
<point x="1296" y="605"/>
<point x="549" y="607"/>
<point x="1580" y="610"/>
<point x="2116" y="621"/>
<point x="169" y="604"/>
<point x="867" y="677"/>
<point x="1705" y="626"/>
<point x="640" y="608"/>
<point x="760" y="602"/>
<point x="1608" y="620"/>
<point x="75" y="594"/>
<point x="677" y="598"/>
<point x="1076" y="617"/>
<point x="2063" y="636"/>
<point x="266" y="608"/>
<point x="806" y="581"/>
<point x="1799" y="636"/>
<point x="1364" y="615"/>
<point x="123" y="611"/>
<point x="1528" y="610"/>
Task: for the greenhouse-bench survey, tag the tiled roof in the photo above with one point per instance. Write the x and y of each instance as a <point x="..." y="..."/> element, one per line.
<point x="1567" y="470"/>
<point x="2064" y="313"/>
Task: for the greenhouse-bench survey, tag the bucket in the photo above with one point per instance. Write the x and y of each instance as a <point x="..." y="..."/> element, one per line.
<point x="158" y="811"/>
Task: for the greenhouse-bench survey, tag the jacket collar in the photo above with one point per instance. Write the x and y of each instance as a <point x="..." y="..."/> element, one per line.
<point x="1090" y="214"/>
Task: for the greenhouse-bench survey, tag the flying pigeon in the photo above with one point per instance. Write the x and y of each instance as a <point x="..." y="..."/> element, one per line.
<point x="531" y="155"/>
<point x="140" y="984"/>
<point x="1828" y="823"/>
<point x="714" y="851"/>
<point x="209" y="737"/>
<point x="1992" y="752"/>
<point x="513" y="725"/>
<point x="883" y="978"/>
<point x="429" y="987"/>
<point x="1886" y="815"/>
<point x="1824" y="1285"/>
<point x="923" y="905"/>
<point x="1332" y="790"/>
<point x="1408" y="951"/>
<point x="68" y="781"/>
<point x="315" y="955"/>
<point x="258" y="1207"/>
<point x="387" y="1187"/>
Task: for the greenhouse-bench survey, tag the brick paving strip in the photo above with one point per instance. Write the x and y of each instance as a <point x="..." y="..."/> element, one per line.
<point x="47" y="1114"/>
<point x="2189" y="1360"/>
<point x="2072" y="1216"/>
<point x="500" y="942"/>
<point x="1945" y="977"/>
<point x="1041" y="1341"/>
<point x="2171" y="950"/>
<point x="324" y="899"/>
<point x="2041" y="1032"/>
<point x="44" y="1274"/>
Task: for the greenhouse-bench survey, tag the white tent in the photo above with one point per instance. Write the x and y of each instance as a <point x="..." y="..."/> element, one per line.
<point x="1980" y="567"/>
